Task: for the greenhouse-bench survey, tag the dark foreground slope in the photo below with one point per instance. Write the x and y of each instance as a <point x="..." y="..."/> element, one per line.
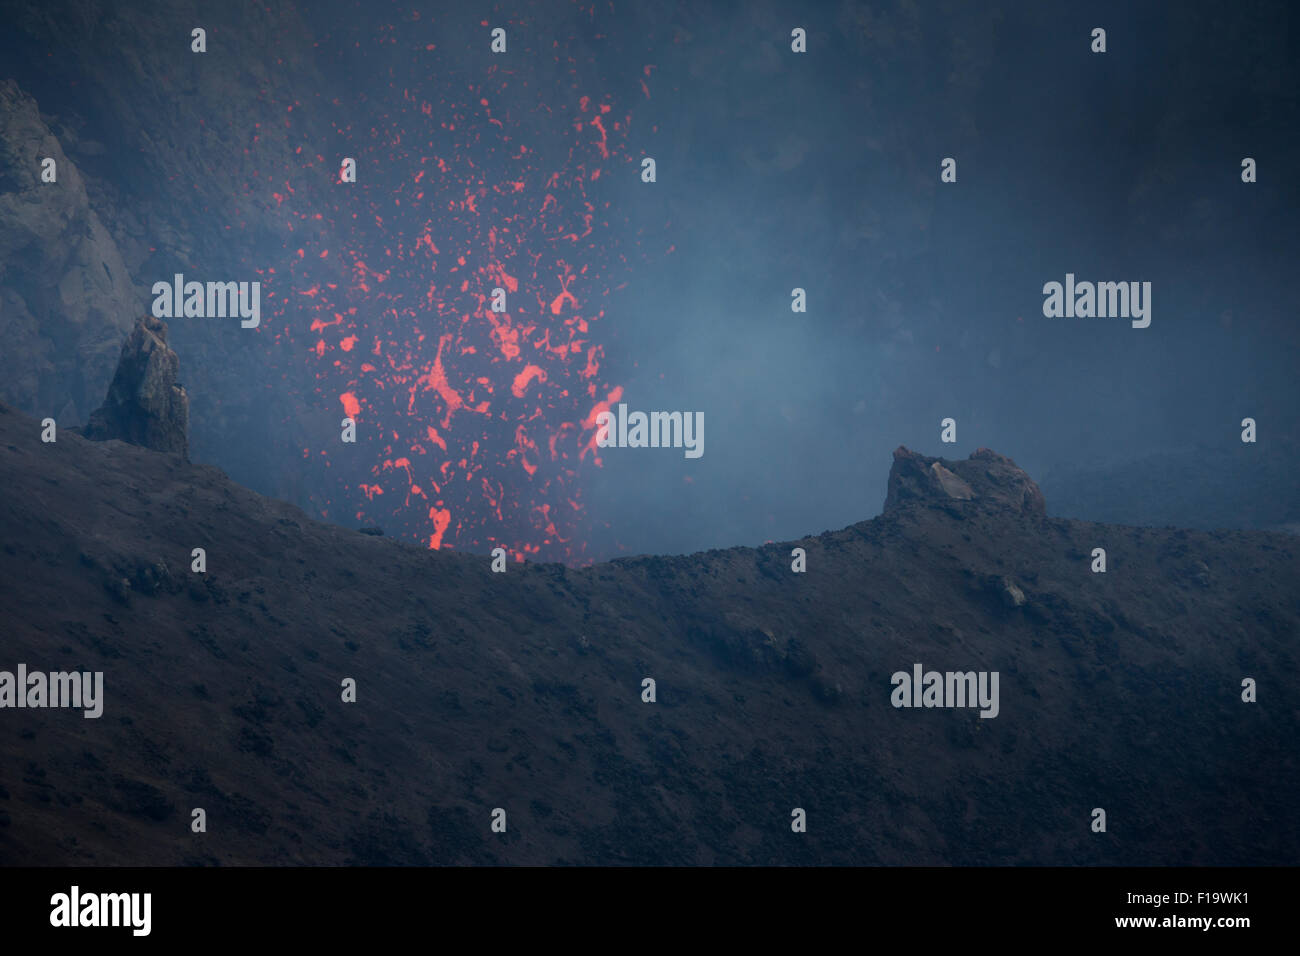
<point x="523" y="690"/>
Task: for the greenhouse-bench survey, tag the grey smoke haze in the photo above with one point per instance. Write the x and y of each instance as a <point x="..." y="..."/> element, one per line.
<point x="775" y="171"/>
<point x="925" y="299"/>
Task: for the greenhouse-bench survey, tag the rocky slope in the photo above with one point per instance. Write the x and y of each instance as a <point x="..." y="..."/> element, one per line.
<point x="66" y="297"/>
<point x="522" y="690"/>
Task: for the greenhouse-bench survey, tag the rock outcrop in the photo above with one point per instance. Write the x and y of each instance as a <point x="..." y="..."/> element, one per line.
<point x="164" y="143"/>
<point x="986" y="479"/>
<point x="65" y="293"/>
<point x="145" y="404"/>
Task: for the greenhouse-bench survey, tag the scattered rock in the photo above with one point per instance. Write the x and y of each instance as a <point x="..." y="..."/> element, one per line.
<point x="825" y="688"/>
<point x="1012" y="596"/>
<point x="799" y="660"/>
<point x="119" y="588"/>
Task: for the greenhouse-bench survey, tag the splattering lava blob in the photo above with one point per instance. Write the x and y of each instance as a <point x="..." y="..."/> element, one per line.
<point x="474" y="423"/>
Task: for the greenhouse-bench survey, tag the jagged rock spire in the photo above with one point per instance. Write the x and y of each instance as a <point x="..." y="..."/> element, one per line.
<point x="145" y="405"/>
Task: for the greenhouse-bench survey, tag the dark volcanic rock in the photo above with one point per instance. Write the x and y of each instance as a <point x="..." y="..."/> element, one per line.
<point x="523" y="690"/>
<point x="145" y="405"/>
<point x="987" y="478"/>
<point x="65" y="293"/>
